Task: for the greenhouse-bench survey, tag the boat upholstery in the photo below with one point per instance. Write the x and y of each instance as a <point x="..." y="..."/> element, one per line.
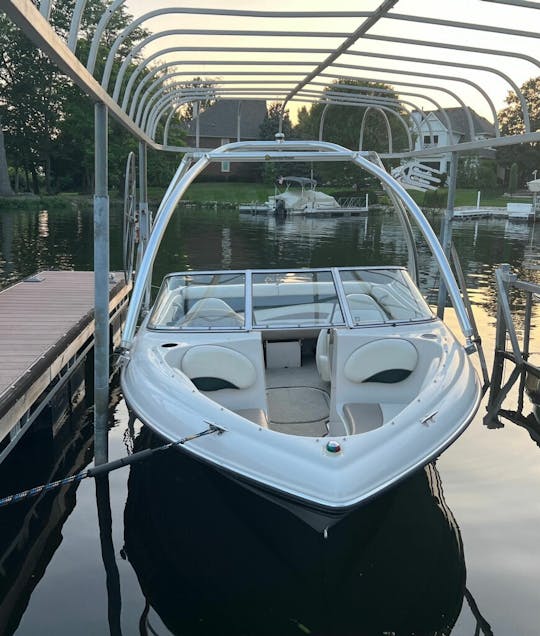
<point x="322" y="355"/>
<point x="384" y="371"/>
<point x="386" y="360"/>
<point x="221" y="363"/>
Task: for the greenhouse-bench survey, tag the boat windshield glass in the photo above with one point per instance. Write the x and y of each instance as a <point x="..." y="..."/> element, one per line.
<point x="200" y="301"/>
<point x="383" y="295"/>
<point x="287" y="299"/>
<point x="295" y="299"/>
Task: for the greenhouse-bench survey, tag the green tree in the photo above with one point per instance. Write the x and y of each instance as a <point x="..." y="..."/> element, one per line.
<point x="73" y="160"/>
<point x="270" y="124"/>
<point x="48" y="122"/>
<point x="267" y="131"/>
<point x="187" y="111"/>
<point x="33" y="100"/>
<point x="342" y="124"/>
<point x="526" y="156"/>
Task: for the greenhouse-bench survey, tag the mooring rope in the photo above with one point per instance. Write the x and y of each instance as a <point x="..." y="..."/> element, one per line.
<point x="105" y="468"/>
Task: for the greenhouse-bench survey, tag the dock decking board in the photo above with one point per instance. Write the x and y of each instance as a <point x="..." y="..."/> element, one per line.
<point x="43" y="321"/>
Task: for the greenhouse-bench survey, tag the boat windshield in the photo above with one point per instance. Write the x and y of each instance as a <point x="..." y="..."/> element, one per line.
<point x="382" y="295"/>
<point x="295" y="299"/>
<point x="277" y="299"/>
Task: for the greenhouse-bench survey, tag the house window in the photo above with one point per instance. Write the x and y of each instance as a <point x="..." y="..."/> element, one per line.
<point x="225" y="165"/>
<point x="427" y="140"/>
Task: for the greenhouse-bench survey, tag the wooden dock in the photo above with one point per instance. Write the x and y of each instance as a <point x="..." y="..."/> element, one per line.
<point x="46" y="325"/>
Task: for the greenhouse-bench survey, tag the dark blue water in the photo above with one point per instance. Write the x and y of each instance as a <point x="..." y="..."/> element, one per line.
<point x="169" y="547"/>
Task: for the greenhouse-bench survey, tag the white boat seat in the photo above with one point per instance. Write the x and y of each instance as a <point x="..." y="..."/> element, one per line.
<point x="362" y="417"/>
<point x="365" y="309"/>
<point x="387" y="360"/>
<point x="212" y="312"/>
<point x="322" y="355"/>
<point x="212" y="367"/>
<point x="257" y="416"/>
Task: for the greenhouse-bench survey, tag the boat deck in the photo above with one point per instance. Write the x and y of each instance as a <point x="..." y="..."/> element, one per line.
<point x="298" y="400"/>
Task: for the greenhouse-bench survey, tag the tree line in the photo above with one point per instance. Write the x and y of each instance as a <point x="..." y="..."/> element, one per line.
<point x="47" y="122"/>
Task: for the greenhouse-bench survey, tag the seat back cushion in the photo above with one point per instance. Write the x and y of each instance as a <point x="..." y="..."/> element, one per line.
<point x="212" y="367"/>
<point x="322" y="355"/>
<point x="386" y="360"/>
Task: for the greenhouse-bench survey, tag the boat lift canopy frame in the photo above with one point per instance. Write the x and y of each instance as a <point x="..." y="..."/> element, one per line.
<point x="366" y="49"/>
<point x="150" y="66"/>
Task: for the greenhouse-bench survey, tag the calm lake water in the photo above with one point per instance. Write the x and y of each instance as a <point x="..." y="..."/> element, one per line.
<point x="167" y="547"/>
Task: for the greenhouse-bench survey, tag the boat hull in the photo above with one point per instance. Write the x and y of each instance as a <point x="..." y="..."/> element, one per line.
<point x="296" y="472"/>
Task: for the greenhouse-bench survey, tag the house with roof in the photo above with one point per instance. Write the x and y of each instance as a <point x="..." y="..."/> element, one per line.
<point x="224" y="122"/>
<point x="450" y="126"/>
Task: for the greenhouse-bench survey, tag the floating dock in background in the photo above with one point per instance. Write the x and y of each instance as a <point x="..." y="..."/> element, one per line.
<point x="46" y="330"/>
<point x="512" y="212"/>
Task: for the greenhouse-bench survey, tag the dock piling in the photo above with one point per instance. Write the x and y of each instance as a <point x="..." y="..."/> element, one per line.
<point x="101" y="286"/>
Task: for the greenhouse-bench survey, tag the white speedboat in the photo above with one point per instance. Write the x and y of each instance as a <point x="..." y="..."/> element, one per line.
<point x="300" y="196"/>
<point x="320" y="388"/>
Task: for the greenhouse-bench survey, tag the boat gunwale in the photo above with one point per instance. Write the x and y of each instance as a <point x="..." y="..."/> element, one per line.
<point x="318" y="504"/>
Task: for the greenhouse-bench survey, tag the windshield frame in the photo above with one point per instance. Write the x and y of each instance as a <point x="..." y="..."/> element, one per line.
<point x="335" y="276"/>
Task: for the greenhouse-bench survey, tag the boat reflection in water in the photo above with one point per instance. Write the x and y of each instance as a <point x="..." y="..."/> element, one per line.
<point x="212" y="558"/>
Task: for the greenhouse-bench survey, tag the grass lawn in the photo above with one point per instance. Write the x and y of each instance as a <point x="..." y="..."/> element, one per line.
<point x="249" y="192"/>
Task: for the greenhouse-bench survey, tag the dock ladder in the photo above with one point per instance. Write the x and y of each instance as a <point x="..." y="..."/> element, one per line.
<point x="518" y="354"/>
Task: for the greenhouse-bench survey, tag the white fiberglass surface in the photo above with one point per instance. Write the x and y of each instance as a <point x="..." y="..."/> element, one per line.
<point x="274" y="299"/>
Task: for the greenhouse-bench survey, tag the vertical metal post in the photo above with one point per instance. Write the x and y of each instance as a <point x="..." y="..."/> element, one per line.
<point x="238" y="120"/>
<point x="446" y="228"/>
<point x="527" y="326"/>
<point x="112" y="574"/>
<point x="196" y="116"/>
<point x="500" y="335"/>
<point x="144" y="213"/>
<point x="101" y="285"/>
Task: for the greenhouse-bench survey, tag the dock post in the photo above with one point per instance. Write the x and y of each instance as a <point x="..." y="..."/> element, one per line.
<point x="446" y="229"/>
<point x="101" y="285"/>
<point x="145" y="222"/>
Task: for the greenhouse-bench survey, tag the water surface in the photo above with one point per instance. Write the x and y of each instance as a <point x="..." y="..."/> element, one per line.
<point x="168" y="547"/>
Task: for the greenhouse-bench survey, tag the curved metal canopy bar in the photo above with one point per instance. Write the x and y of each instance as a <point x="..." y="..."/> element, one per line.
<point x="415" y="85"/>
<point x="144" y="72"/>
<point x="138" y="105"/>
<point x="435" y="76"/>
<point x="379" y="111"/>
<point x="474" y="67"/>
<point x="364" y="89"/>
